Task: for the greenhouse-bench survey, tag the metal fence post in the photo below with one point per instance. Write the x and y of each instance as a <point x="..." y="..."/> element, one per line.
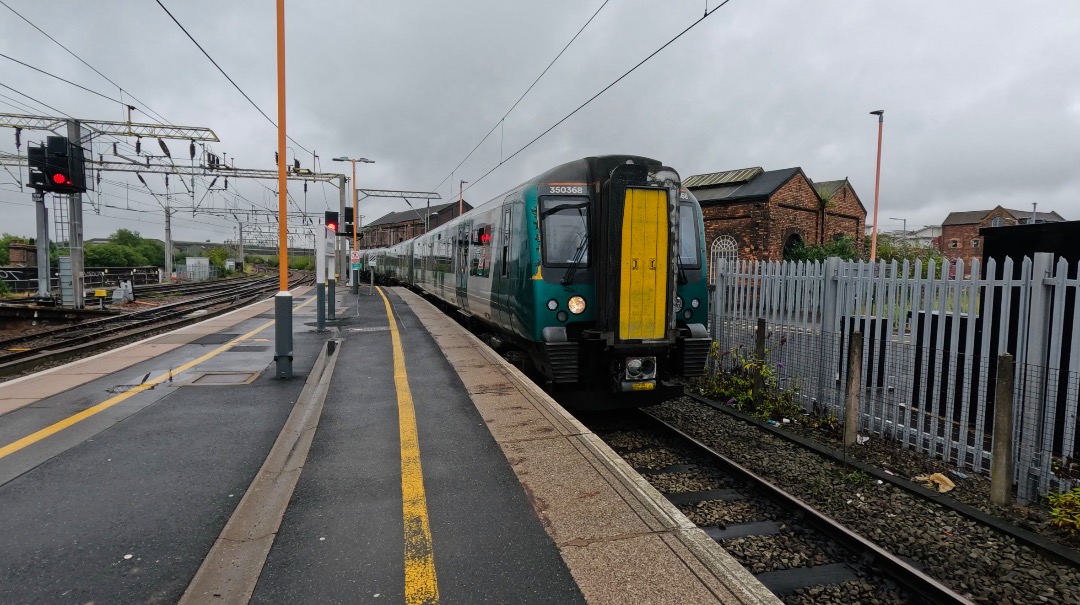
<point x="854" y="388"/>
<point x="1001" y="455"/>
<point x="829" y="303"/>
<point x="759" y="358"/>
<point x="1034" y="461"/>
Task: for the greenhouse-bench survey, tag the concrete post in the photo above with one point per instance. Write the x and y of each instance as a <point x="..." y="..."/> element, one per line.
<point x="1001" y="453"/>
<point x="854" y="388"/>
<point x="283" y="340"/>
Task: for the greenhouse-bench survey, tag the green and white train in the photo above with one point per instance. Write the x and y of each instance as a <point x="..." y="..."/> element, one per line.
<point x="594" y="270"/>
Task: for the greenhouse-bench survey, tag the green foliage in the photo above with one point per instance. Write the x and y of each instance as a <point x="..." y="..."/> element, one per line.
<point x="1065" y="509"/>
<point x="891" y="248"/>
<point x="218" y="255"/>
<point x="5" y="290"/>
<point x="843" y="246"/>
<point x="302" y="263"/>
<point x="856" y="478"/>
<point x="733" y="377"/>
<point x="113" y="255"/>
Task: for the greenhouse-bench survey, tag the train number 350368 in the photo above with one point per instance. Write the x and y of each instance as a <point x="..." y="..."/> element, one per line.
<point x="567" y="189"/>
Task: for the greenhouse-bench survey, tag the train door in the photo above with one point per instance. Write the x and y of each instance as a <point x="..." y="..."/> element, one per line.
<point x="461" y="263"/>
<point x="643" y="292"/>
<point x="501" y="289"/>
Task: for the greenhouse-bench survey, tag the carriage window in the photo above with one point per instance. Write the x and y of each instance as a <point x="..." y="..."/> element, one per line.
<point x="689" y="247"/>
<point x="564" y="229"/>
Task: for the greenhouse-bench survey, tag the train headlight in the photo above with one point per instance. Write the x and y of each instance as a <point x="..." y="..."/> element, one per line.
<point x="562" y="316"/>
<point x="678" y="304"/>
<point x="576" y="304"/>
<point x="688" y="314"/>
<point x="640" y="368"/>
<point x="553" y="304"/>
<point x="695" y="303"/>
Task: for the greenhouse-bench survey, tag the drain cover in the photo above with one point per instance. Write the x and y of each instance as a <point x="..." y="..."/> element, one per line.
<point x="220" y="378"/>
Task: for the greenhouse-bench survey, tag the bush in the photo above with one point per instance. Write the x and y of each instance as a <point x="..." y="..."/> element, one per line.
<point x="1065" y="509"/>
<point x="733" y="376"/>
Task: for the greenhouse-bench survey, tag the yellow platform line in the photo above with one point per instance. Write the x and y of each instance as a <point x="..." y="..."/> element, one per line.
<point x="52" y="429"/>
<point x="421" y="585"/>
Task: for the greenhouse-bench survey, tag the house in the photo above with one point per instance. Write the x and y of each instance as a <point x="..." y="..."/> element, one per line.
<point x="960" y="236"/>
<point x="397" y="227"/>
<point x="756" y="214"/>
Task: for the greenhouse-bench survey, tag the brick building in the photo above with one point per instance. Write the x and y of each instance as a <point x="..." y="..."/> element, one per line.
<point x="754" y="214"/>
<point x="397" y="227"/>
<point x="960" y="231"/>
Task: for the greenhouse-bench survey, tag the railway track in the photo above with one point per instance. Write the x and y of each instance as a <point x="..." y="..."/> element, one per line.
<point x="799" y="553"/>
<point x="25" y="353"/>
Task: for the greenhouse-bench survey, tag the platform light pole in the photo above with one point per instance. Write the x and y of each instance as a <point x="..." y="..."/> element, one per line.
<point x="355" y="273"/>
<point x="283" y="341"/>
<point x="880" y="113"/>
<point x="460" y="202"/>
<point x="904" y="221"/>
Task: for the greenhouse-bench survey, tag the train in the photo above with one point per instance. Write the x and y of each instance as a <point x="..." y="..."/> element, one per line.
<point x="593" y="272"/>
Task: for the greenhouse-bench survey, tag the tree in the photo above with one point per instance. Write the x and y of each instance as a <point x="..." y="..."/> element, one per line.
<point x="218" y="255"/>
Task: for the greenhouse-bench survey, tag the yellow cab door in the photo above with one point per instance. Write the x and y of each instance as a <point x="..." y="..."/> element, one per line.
<point x="643" y="287"/>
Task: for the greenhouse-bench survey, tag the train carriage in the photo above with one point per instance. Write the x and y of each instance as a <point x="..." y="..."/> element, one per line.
<point x="594" y="270"/>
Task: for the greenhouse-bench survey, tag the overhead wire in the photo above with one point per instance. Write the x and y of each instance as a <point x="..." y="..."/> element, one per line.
<point x="51" y="75"/>
<point x="237" y="86"/>
<point x="516" y="103"/>
<point x="81" y="60"/>
<point x="160" y="118"/>
<point x="602" y="91"/>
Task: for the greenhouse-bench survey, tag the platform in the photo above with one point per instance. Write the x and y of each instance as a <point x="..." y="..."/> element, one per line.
<point x="494" y="495"/>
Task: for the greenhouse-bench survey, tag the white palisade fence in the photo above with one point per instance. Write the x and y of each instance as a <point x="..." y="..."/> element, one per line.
<point x="931" y="339"/>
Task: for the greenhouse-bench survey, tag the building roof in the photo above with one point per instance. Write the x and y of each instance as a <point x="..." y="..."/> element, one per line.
<point x="408" y="216"/>
<point x="761" y="184"/>
<point x="970" y="217"/>
<point x="964" y="218"/>
<point x="827" y="189"/>
<point x="728" y="177"/>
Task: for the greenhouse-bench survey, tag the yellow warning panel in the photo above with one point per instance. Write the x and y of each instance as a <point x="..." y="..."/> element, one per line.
<point x="643" y="287"/>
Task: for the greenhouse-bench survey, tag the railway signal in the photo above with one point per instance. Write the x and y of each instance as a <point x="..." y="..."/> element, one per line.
<point x="57" y="167"/>
<point x="330" y="219"/>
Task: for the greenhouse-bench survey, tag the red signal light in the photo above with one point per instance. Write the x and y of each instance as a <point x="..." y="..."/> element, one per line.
<point x="332" y="227"/>
<point x="59" y="179"/>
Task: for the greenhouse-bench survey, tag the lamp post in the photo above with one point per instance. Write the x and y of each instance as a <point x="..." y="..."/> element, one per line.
<point x="904" y="220"/>
<point x="880" y="113"/>
<point x="354" y="272"/>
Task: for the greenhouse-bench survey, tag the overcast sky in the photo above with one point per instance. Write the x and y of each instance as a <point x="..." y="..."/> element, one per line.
<point x="981" y="97"/>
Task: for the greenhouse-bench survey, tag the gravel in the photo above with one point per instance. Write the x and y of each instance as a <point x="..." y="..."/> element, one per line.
<point x="970" y="558"/>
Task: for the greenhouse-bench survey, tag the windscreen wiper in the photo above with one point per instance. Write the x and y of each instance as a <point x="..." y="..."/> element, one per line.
<point x="682" y="279"/>
<point x="578" y="255"/>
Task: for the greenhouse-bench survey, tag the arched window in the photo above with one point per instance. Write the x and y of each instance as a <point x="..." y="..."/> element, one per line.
<point x="792" y="243"/>
<point x="996" y="222"/>
<point x="723" y="248"/>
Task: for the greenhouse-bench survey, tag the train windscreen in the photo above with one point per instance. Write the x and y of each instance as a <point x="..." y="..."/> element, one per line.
<point x="564" y="230"/>
<point x="689" y="247"/>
